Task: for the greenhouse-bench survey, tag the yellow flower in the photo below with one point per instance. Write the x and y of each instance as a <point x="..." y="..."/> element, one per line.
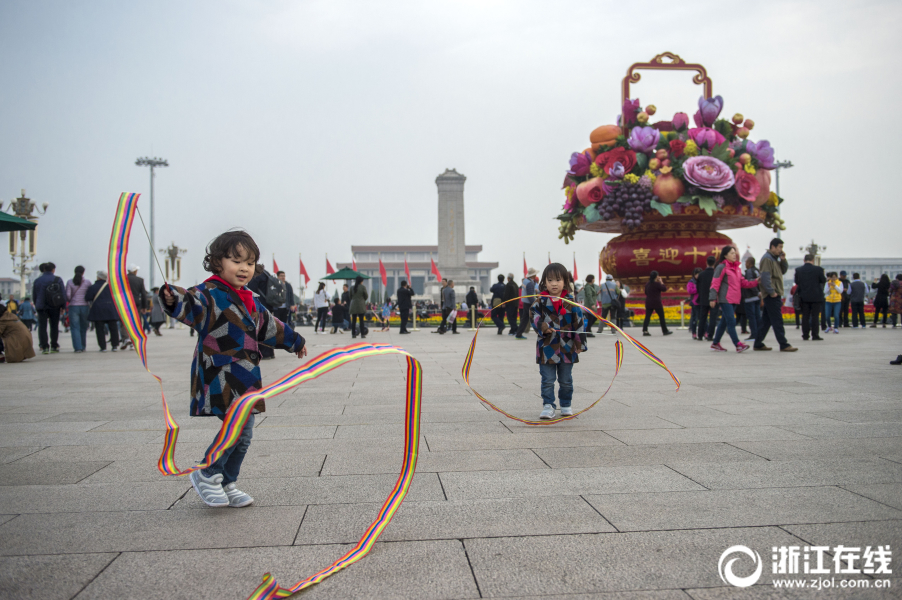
<point x="749" y="168"/>
<point x="691" y="148"/>
<point x="773" y="199"/>
<point x="631" y="178"/>
<point x="594" y="170"/>
<point x="651" y="176"/>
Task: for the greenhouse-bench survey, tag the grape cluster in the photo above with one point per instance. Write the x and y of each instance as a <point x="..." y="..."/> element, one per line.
<point x="629" y="201"/>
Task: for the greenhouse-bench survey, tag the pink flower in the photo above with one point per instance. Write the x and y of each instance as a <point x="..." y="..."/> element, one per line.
<point x="705" y="137"/>
<point x="747" y="186"/>
<point x="680" y="121"/>
<point x="708" y="173"/>
<point x="590" y="192"/>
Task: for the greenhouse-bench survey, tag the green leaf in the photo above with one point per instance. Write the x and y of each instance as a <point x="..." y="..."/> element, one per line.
<point x="591" y="213"/>
<point x="724" y="128"/>
<point x="721" y="152"/>
<point x="564" y="217"/>
<point x="707" y="204"/>
<point x="641" y="162"/>
<point x="662" y="208"/>
<point x="687" y="199"/>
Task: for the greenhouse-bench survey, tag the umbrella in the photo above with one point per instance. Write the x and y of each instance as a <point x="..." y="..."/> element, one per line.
<point x="11" y="223"/>
<point x="345" y="273"/>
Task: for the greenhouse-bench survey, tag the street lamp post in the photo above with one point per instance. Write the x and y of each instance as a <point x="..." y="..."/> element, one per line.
<point x="152" y="163"/>
<point x="784" y="164"/>
<point x="22" y="207"/>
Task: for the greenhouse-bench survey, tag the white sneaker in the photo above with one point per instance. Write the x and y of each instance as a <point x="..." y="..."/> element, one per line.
<point x="237" y="498"/>
<point x="547" y="412"/>
<point x="566" y="411"/>
<point x="209" y="489"/>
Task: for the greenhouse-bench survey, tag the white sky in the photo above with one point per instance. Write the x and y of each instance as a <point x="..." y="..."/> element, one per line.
<point x="317" y="125"/>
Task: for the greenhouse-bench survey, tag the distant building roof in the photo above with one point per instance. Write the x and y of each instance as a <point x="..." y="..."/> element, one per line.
<point x="469" y="248"/>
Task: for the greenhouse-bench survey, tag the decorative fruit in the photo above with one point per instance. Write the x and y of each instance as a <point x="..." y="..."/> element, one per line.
<point x="730" y="151"/>
<point x="653" y="164"/>
<point x="763" y="177"/>
<point x="745" y="158"/>
<point x="606" y="135"/>
<point x="642" y="117"/>
<point x="589" y="192"/>
<point x="749" y="124"/>
<point x="661" y="154"/>
<point x="592" y="153"/>
<point x="651" y="109"/>
<point x="668" y="188"/>
<point x="665" y="162"/>
<point x="737" y="118"/>
<point x="742" y="132"/>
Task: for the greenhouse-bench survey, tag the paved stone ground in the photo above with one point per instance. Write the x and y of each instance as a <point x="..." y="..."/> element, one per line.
<point x="636" y="499"/>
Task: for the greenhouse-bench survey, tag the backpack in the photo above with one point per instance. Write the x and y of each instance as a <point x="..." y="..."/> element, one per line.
<point x="275" y="291"/>
<point x="53" y="294"/>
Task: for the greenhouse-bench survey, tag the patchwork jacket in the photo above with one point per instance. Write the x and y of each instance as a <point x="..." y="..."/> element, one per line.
<point x="226" y="361"/>
<point x="565" y="331"/>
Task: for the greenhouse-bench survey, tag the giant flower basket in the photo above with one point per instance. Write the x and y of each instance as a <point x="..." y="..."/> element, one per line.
<point x="668" y="187"/>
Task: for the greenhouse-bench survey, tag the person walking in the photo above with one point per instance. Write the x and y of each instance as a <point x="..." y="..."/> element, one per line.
<point x="590" y="299"/>
<point x="103" y="312"/>
<point x="359" y="296"/>
<point x="284" y="311"/>
<point x="692" y="289"/>
<point x="833" y="298"/>
<point x="78" y="308"/>
<point x="611" y="301"/>
<point x="752" y="299"/>
<point x="405" y="303"/>
<point x="49" y="296"/>
<point x="157" y="316"/>
<point x="895" y="298"/>
<point x="511" y="291"/>
<point x="26" y="313"/>
<point x="726" y="289"/>
<point x="703" y="285"/>
<point x="653" y="290"/>
<point x="772" y="266"/>
<point x="811" y="280"/>
<point x="529" y="288"/>
<point x="497" y="298"/>
<point x="796" y="304"/>
<point x="472" y="303"/>
<point x="858" y="292"/>
<point x="846" y="299"/>
<point x="386" y="313"/>
<point x="881" y="300"/>
<point x="449" y="305"/>
<point x="321" y="304"/>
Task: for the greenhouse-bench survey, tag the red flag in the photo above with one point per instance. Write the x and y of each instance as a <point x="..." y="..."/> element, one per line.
<point x="329" y="269"/>
<point x="575" y="276"/>
<point x="435" y="270"/>
<point x="353" y="262"/>
<point x="407" y="270"/>
<point x="525" y="270"/>
<point x="383" y="273"/>
<point x="304" y="272"/>
<point x="275" y="265"/>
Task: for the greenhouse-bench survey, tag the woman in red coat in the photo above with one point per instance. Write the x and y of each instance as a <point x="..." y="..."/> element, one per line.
<point x="653" y="290"/>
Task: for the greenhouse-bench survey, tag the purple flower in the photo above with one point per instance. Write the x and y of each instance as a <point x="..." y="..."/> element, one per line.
<point x="579" y="164"/>
<point x="644" y="139"/>
<point x="617" y="171"/>
<point x="763" y="152"/>
<point x="680" y="121"/>
<point x="630" y="109"/>
<point x="705" y="137"/>
<point x="708" y="110"/>
<point x="708" y="173"/>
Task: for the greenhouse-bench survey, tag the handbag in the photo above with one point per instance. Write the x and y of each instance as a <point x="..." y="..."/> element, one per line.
<point x="616" y="302"/>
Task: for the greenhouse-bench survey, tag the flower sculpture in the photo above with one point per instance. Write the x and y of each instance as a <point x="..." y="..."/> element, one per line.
<point x="637" y="167"/>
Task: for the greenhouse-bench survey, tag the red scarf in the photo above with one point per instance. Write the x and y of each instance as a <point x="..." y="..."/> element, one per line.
<point x="559" y="306"/>
<point x="247" y="296"/>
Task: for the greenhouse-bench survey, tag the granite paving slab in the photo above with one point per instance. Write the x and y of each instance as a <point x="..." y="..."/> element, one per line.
<point x="83" y="497"/>
<point x="885" y="493"/>
<point x="791" y="473"/>
<point x="434" y="462"/>
<point x="49" y="577"/>
<point x="614" y="456"/>
<point x="47" y="473"/>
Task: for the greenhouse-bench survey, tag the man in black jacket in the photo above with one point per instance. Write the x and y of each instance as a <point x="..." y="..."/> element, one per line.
<point x="405" y="303"/>
<point x="283" y="313"/>
<point x="511" y="291"/>
<point x="704" y="308"/>
<point x="811" y="281"/>
<point x="472" y="302"/>
<point x="498" y="297"/>
<point x="139" y="293"/>
<point x="258" y="284"/>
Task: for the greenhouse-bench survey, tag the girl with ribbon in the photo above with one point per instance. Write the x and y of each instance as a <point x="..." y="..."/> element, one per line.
<point x="561" y="337"/>
<point x="232" y="324"/>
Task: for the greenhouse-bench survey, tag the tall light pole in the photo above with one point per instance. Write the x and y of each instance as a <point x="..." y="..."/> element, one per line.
<point x="24" y="241"/>
<point x="784" y="164"/>
<point x="152" y="163"/>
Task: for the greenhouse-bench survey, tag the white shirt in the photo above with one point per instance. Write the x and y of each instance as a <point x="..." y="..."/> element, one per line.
<point x="321" y="299"/>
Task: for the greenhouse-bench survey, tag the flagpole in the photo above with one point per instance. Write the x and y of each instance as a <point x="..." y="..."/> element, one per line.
<point x="301" y="283"/>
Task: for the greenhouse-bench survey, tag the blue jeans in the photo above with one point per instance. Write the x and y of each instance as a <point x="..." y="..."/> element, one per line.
<point x="727" y="323"/>
<point x="564" y="374"/>
<point x="229" y="464"/>
<point x="833" y="310"/>
<point x="753" y="314"/>
<point x="78" y="326"/>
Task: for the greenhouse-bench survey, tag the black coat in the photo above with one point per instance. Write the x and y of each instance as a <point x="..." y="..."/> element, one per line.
<point x="472" y="299"/>
<point x="103" y="308"/>
<point x="811" y="281"/>
<point x="511" y="291"/>
<point x="703" y="283"/>
<point x="404" y="294"/>
<point x="653" y="291"/>
<point x="138" y="291"/>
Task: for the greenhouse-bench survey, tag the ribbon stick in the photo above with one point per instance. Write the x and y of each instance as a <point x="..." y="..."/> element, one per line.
<point x="618" y="362"/>
<point x="240" y="409"/>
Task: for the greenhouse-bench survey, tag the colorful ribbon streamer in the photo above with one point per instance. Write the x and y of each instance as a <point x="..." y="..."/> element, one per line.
<point x="618" y="357"/>
<point x="239" y="410"/>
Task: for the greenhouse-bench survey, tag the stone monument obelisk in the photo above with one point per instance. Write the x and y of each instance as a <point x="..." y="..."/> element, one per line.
<point x="452" y="250"/>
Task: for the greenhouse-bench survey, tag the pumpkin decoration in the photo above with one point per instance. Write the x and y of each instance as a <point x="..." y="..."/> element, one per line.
<point x="606" y="135"/>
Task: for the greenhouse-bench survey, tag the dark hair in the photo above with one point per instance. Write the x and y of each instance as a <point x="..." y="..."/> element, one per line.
<point x="710" y="261"/>
<point x="79" y="271"/>
<point x="856" y="275"/>
<point x="590" y="277"/>
<point x="884" y="278"/>
<point x="322" y="286"/>
<point x="898" y="276"/>
<point x="808" y="258"/>
<point x="49" y="266"/>
<point x="357" y="281"/>
<point x="279" y="273"/>
<point x="695" y="272"/>
<point x="559" y="271"/>
<point x="723" y="253"/>
<point x="775" y="242"/>
<point x="228" y="245"/>
<point x="154" y="289"/>
<point x="500" y="278"/>
<point x="652" y="276"/>
<point x="750" y="259"/>
<point x="41" y="267"/>
<point x="403" y="283"/>
<point x="388" y="299"/>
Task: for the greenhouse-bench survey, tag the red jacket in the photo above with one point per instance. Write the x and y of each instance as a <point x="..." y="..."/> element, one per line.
<point x="735" y="282"/>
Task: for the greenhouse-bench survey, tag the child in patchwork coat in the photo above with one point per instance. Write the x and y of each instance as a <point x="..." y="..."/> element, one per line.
<point x="561" y="337"/>
<point x="232" y="324"/>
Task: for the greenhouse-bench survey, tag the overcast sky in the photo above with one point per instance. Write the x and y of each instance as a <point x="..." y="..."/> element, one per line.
<point x="318" y="125"/>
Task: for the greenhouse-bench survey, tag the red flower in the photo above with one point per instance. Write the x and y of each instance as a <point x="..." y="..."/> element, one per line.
<point x="625" y="157"/>
<point x="747" y="186"/>
<point x="677" y="147"/>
